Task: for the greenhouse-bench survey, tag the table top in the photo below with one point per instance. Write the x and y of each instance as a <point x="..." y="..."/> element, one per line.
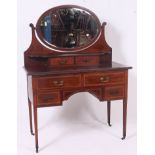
<point x="74" y="70"/>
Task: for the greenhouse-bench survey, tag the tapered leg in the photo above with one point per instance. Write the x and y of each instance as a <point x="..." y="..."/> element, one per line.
<point x="30" y="116"/>
<point x="36" y="128"/>
<point x="108" y="111"/>
<point x="124" y="117"/>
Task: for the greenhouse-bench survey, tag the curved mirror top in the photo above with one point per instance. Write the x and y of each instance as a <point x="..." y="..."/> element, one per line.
<point x="68" y="27"/>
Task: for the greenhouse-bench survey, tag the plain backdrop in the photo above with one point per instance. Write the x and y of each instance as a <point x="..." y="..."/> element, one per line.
<point x="79" y="126"/>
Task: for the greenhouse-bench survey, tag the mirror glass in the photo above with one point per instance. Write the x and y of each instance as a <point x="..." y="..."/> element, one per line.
<point x="68" y="27"/>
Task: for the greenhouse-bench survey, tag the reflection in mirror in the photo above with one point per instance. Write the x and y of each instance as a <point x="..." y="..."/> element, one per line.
<point x="69" y="28"/>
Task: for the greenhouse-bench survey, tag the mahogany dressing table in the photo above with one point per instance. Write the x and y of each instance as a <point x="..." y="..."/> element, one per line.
<point x="69" y="54"/>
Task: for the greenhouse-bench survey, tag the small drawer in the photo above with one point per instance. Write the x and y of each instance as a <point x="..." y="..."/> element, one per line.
<point x="64" y="61"/>
<point x="97" y="79"/>
<point x="49" y="99"/>
<point x="68" y="81"/>
<point x="87" y="60"/>
<point x="114" y="92"/>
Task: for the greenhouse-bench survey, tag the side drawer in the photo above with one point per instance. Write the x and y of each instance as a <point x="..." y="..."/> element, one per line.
<point x="113" y="92"/>
<point x="61" y="62"/>
<point x="49" y="99"/>
<point x="68" y="81"/>
<point x="98" y="79"/>
<point x="87" y="60"/>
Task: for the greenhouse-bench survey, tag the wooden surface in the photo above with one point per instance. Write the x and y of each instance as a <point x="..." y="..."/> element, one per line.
<point x="53" y="76"/>
<point x="113" y="67"/>
<point x="52" y="90"/>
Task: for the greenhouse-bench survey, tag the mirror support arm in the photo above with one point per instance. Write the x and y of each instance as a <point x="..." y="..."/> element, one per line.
<point x="106" y="46"/>
<point x="33" y="31"/>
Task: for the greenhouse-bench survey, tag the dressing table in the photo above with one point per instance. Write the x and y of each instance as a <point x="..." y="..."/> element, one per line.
<point x="69" y="54"/>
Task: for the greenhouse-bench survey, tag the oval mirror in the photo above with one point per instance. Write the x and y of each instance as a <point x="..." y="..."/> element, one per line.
<point x="68" y="27"/>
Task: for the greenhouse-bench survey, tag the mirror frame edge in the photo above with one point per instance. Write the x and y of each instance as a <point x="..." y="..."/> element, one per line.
<point x="59" y="49"/>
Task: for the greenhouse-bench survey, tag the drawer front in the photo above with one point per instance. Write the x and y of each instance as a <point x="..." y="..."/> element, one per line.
<point x="59" y="82"/>
<point x="114" y="92"/>
<point x="87" y="60"/>
<point x="49" y="99"/>
<point x="65" y="61"/>
<point x="97" y="92"/>
<point x="98" y="79"/>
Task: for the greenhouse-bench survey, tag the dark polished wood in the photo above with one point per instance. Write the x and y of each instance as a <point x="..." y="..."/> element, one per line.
<point x="53" y="74"/>
<point x="36" y="122"/>
<point x="30" y="116"/>
<point x="124" y="118"/>
<point x="125" y="107"/>
<point x="109" y="112"/>
<point x="30" y="108"/>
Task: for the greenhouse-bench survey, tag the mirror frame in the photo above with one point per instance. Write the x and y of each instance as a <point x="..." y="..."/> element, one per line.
<point x="59" y="49"/>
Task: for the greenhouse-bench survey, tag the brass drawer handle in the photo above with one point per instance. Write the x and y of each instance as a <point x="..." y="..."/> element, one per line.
<point x="55" y="82"/>
<point x="104" y="79"/>
<point x="63" y="62"/>
<point x="58" y="83"/>
<point x="61" y="83"/>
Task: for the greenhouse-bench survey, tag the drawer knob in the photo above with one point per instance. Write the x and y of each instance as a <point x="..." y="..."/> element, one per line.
<point x="55" y="82"/>
<point x="104" y="79"/>
<point x="61" y="83"/>
<point x="58" y="83"/>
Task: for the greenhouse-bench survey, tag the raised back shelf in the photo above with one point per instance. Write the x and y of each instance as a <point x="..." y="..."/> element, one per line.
<point x="67" y="36"/>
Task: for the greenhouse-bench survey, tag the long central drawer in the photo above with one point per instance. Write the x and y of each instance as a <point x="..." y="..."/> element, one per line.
<point x="68" y="81"/>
